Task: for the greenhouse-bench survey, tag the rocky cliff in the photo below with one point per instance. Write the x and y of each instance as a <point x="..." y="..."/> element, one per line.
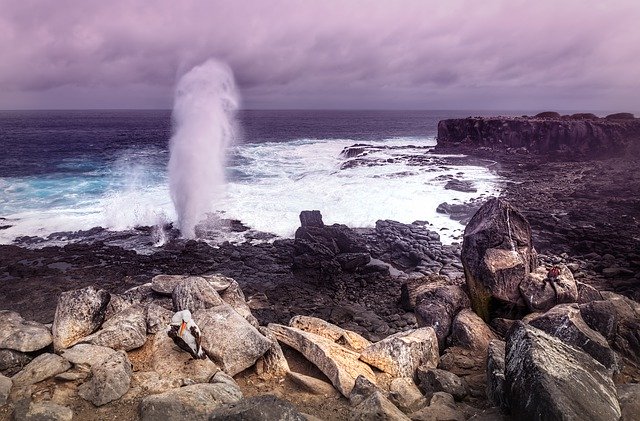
<point x="577" y="136"/>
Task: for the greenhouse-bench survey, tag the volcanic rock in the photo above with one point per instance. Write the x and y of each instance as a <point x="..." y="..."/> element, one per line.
<point x="229" y="340"/>
<point x="497" y="254"/>
<point x="330" y="331"/>
<point x="629" y="399"/>
<point x="12" y="361"/>
<point x="194" y="402"/>
<point x="165" y="284"/>
<point x="470" y="331"/>
<point x="41" y="368"/>
<point x="20" y="335"/>
<point x="338" y="363"/>
<point x="437" y="306"/>
<point x="432" y="380"/>
<point x="441" y="407"/>
<point x="158" y="318"/>
<point x="415" y="287"/>
<point x="312" y="385"/>
<point x="79" y="313"/>
<point x="234" y="296"/>
<point x="126" y="330"/>
<point x="541" y="292"/>
<point x="194" y="293"/>
<point x="547" y="379"/>
<point x="377" y="407"/>
<point x="255" y="408"/>
<point x="87" y="354"/>
<point x="402" y="353"/>
<point x="110" y="379"/>
<point x="495" y="374"/>
<point x="404" y="394"/>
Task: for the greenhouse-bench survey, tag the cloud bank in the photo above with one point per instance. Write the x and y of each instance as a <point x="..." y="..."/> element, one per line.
<point x="460" y="54"/>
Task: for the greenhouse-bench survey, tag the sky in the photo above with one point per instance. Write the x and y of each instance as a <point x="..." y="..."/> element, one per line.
<point x="286" y="54"/>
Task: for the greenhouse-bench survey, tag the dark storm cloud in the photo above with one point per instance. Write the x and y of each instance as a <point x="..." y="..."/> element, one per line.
<point x="372" y="54"/>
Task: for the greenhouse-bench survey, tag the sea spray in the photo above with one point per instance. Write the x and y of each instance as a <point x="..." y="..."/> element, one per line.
<point x="203" y="127"/>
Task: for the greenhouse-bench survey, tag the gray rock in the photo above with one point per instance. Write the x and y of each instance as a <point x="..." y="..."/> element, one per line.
<point x="48" y="411"/>
<point x="258" y="408"/>
<point x="41" y="368"/>
<point x="565" y="323"/>
<point x="110" y="380"/>
<point x="157" y="318"/>
<point x="195" y="293"/>
<point x="441" y="407"/>
<point x="234" y="296"/>
<point x="629" y="399"/>
<point x="548" y="379"/>
<point x="432" y="380"/>
<point x="273" y="363"/>
<point x="21" y="335"/>
<point x="165" y="284"/>
<point x="541" y="293"/>
<point x="87" y="354"/>
<point x="78" y="314"/>
<point x="404" y="394"/>
<point x="468" y="330"/>
<point x="495" y="374"/>
<point x="219" y="282"/>
<point x="437" y="307"/>
<point x="362" y="389"/>
<point x="193" y="403"/>
<point x="12" y="361"/>
<point x="414" y="287"/>
<point x="497" y="254"/>
<point x="312" y="385"/>
<point x="126" y="330"/>
<point x="229" y="340"/>
<point x="341" y="336"/>
<point x="376" y="407"/>
<point x="587" y="293"/>
<point x="173" y="363"/>
<point x="5" y="389"/>
<point x="402" y="353"/>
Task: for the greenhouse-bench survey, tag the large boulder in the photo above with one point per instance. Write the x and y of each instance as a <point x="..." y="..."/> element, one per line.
<point x="157" y="318"/>
<point x="341" y="365"/>
<point x="165" y="284"/>
<point x="497" y="254"/>
<point x="402" y="353"/>
<point x="194" y="293"/>
<point x="565" y="323"/>
<point x="126" y="330"/>
<point x="79" y="313"/>
<point x="41" y="368"/>
<point x="433" y="380"/>
<point x="172" y="362"/>
<point x="437" y="306"/>
<point x="548" y="379"/>
<point x="404" y="394"/>
<point x="330" y="331"/>
<point x="258" y="408"/>
<point x="442" y="407"/>
<point x="414" y="287"/>
<point x="21" y="335"/>
<point x="234" y="296"/>
<point x="110" y="380"/>
<point x="541" y="292"/>
<point x="229" y="339"/>
<point x="629" y="398"/>
<point x="194" y="403"/>
<point x="468" y="330"/>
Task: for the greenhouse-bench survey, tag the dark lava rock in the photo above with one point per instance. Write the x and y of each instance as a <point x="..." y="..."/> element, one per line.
<point x="432" y="380"/>
<point x="460" y="185"/>
<point x="547" y="114"/>
<point x="311" y="219"/>
<point x="258" y="408"/>
<point x="620" y="116"/>
<point x="547" y="379"/>
<point x="497" y="254"/>
<point x="495" y="374"/>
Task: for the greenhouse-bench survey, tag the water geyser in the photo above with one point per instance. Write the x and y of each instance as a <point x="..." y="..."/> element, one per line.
<point x="203" y="127"/>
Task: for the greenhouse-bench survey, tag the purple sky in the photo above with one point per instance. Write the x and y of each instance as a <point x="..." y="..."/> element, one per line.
<point x="511" y="54"/>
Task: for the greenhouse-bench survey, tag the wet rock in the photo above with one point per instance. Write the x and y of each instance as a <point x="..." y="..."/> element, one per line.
<point x="402" y="353"/>
<point x="497" y="254"/>
<point x="461" y="185"/>
<point x="404" y="394"/>
<point x="547" y="379"/>
<point x="174" y="363"/>
<point x="194" y="293"/>
<point x="565" y="323"/>
<point x="441" y="407"/>
<point x="432" y="380"/>
<point x="312" y="385"/>
<point x="41" y="368"/>
<point x="158" y="318"/>
<point x="5" y="389"/>
<point x="629" y="399"/>
<point x="311" y="218"/>
<point x="110" y="380"/>
<point x="330" y="331"/>
<point x="21" y="335"/>
<point x="229" y="340"/>
<point x="541" y="292"/>
<point x="264" y="407"/>
<point x="438" y="306"/>
<point x="78" y="314"/>
<point x="273" y="363"/>
<point x="165" y="284"/>
<point x="126" y="330"/>
<point x="87" y="354"/>
<point x="495" y="374"/>
<point x="338" y="363"/>
<point x="48" y="411"/>
<point x="415" y="287"/>
<point x="470" y="331"/>
<point x="12" y="361"/>
<point x="377" y="407"/>
<point x="194" y="402"/>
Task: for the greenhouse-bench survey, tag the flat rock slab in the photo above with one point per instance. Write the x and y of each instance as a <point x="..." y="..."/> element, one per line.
<point x="548" y="379"/>
<point x="330" y="331"/>
<point x="264" y="407"/>
<point x="402" y="353"/>
<point x="312" y="385"/>
<point x="193" y="403"/>
<point x="229" y="339"/>
<point x="21" y="335"/>
<point x="78" y="314"/>
<point x="110" y="380"/>
<point x="41" y="368"/>
<point x="341" y="365"/>
<point x="87" y="354"/>
<point x="174" y="363"/>
<point x="126" y="330"/>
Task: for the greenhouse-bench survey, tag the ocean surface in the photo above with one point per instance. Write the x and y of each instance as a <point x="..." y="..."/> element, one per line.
<point x="74" y="170"/>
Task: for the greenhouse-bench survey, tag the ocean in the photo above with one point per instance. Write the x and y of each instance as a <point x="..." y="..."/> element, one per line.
<point x="73" y="170"/>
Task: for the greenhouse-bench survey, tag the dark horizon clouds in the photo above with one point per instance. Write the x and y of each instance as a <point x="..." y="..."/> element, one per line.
<point x="458" y="54"/>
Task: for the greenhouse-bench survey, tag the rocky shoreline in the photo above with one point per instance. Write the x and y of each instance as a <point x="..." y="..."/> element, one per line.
<point x="392" y="281"/>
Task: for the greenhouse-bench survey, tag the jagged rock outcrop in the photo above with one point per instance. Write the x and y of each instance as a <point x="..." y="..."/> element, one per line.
<point x="545" y="134"/>
<point x="497" y="254"/>
<point x="78" y="314"/>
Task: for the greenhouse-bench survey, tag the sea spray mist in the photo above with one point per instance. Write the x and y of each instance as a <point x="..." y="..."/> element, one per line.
<point x="205" y="103"/>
